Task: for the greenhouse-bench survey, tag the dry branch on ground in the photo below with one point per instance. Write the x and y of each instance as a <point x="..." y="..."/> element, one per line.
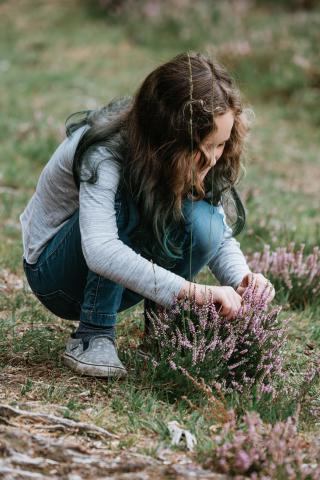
<point x="31" y="449"/>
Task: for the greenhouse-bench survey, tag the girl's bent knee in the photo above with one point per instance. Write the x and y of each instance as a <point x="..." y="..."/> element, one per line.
<point x="205" y="227"/>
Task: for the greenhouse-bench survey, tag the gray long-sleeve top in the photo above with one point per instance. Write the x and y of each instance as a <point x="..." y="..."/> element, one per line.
<point x="55" y="200"/>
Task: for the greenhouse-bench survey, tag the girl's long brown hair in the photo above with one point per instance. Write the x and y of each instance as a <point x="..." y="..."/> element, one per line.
<point x="155" y="136"/>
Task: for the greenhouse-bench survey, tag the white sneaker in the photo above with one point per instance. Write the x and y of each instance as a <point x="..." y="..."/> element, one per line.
<point x="96" y="357"/>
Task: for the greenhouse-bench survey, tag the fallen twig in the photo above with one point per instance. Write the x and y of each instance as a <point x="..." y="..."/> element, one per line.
<point x="7" y="411"/>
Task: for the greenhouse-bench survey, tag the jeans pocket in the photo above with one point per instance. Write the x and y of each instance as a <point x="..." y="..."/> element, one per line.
<point x="61" y="304"/>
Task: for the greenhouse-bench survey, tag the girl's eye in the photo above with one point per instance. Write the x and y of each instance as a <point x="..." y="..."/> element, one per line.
<point x="221" y="145"/>
<point x="210" y="147"/>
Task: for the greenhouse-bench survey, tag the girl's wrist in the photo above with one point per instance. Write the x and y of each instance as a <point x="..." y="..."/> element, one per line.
<point x="187" y="290"/>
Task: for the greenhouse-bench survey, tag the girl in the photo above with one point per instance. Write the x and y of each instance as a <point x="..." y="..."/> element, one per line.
<point x="130" y="207"/>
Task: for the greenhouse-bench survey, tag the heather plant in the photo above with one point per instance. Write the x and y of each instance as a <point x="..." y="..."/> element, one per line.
<point x="240" y="355"/>
<point x="257" y="450"/>
<point x="295" y="276"/>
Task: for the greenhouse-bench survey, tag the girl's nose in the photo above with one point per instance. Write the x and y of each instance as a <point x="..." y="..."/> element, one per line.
<point x="214" y="159"/>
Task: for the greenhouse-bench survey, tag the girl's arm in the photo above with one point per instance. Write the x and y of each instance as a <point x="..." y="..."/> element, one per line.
<point x="229" y="265"/>
<point x="104" y="252"/>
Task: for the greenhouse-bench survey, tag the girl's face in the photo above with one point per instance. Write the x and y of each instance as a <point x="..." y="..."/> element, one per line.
<point x="214" y="143"/>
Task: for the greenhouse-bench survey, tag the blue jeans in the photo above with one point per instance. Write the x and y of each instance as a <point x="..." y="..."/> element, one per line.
<point x="62" y="282"/>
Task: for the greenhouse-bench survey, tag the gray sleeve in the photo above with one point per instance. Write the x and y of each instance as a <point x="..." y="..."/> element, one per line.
<point x="104" y="252"/>
<point x="229" y="265"/>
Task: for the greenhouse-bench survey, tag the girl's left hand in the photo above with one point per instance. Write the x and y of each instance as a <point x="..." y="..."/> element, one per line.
<point x="259" y="284"/>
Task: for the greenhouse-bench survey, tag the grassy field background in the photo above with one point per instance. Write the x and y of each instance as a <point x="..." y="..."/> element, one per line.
<point x="58" y="57"/>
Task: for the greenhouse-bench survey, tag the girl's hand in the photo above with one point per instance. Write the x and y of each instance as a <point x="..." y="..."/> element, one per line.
<point x="227" y="297"/>
<point x="259" y="284"/>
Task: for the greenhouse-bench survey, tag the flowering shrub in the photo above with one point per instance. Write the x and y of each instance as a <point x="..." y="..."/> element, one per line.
<point x="290" y="271"/>
<point x="257" y="450"/>
<point x="238" y="354"/>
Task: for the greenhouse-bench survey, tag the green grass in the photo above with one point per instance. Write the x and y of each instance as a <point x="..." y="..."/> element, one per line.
<point x="60" y="57"/>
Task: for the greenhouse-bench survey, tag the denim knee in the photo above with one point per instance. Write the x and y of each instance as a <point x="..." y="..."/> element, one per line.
<point x="205" y="228"/>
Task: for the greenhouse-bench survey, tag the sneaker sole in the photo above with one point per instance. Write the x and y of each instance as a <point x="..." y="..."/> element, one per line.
<point x="93" y="370"/>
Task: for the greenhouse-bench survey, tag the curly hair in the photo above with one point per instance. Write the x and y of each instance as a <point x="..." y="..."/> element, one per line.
<point x="155" y="136"/>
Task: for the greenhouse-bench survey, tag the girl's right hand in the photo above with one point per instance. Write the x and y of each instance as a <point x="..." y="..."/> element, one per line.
<point x="227" y="297"/>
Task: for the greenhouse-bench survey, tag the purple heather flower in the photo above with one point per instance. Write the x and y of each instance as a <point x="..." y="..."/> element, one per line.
<point x="262" y="451"/>
<point x="289" y="268"/>
<point x="242" y="352"/>
<point x="242" y="461"/>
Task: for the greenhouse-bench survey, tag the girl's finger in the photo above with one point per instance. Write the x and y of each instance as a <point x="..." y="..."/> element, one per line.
<point x="271" y="294"/>
<point x="241" y="290"/>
